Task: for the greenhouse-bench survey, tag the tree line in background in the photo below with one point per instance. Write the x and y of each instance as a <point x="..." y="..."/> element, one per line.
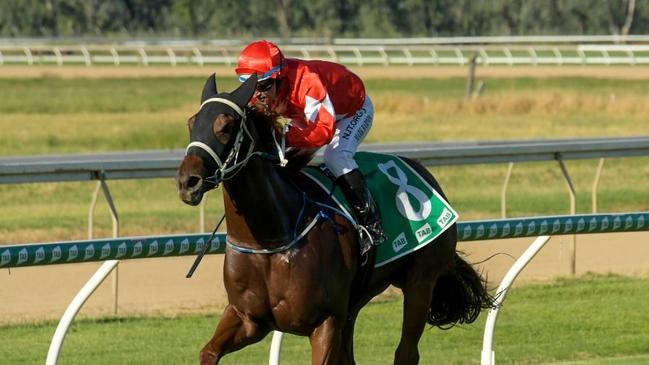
<point x="319" y="18"/>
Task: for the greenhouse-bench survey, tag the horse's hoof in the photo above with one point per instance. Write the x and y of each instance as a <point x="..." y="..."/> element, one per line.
<point x="208" y="358"/>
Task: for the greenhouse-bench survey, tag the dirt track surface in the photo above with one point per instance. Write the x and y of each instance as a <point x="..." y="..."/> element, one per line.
<point x="369" y="72"/>
<point x="158" y="286"/>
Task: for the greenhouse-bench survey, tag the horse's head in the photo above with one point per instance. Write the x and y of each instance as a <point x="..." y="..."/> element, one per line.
<point x="216" y="132"/>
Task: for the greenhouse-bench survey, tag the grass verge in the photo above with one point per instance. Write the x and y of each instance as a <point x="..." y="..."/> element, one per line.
<point x="594" y="319"/>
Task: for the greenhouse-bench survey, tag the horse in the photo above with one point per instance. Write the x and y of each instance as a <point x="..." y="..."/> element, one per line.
<point x="312" y="283"/>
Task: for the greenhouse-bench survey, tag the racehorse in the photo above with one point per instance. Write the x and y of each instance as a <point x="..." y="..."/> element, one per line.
<point x="312" y="283"/>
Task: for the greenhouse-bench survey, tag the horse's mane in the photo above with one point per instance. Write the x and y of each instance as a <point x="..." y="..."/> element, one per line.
<point x="262" y="122"/>
<point x="261" y="116"/>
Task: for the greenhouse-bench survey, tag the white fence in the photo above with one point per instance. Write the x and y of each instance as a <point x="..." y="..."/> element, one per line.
<point x="542" y="50"/>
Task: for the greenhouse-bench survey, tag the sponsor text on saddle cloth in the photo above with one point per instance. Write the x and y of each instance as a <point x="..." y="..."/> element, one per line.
<point x="413" y="213"/>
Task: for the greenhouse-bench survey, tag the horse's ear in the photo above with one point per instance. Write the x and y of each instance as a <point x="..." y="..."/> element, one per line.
<point x="242" y="95"/>
<point x="209" y="89"/>
<point x="190" y="122"/>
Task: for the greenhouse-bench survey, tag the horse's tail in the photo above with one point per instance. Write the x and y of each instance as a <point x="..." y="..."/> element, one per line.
<point x="459" y="295"/>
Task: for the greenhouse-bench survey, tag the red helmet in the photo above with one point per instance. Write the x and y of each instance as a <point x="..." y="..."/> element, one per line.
<point x="262" y="58"/>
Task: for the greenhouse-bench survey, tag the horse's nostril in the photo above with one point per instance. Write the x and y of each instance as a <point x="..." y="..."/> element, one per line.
<point x="193" y="182"/>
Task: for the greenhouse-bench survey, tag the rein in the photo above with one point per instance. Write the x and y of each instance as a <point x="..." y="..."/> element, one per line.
<point x="206" y="247"/>
<point x="270" y="251"/>
<point x="321" y="214"/>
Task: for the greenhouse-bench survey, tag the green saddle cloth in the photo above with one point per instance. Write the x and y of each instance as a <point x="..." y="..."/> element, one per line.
<point x="413" y="213"/>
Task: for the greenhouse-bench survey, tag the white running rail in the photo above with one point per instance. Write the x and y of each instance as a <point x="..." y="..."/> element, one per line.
<point x="560" y="50"/>
<point x="488" y="355"/>
<point x="73" y="309"/>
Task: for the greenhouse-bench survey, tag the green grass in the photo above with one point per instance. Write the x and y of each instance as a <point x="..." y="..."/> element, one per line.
<point x="591" y="320"/>
<point x="58" y="116"/>
<point x="618" y="360"/>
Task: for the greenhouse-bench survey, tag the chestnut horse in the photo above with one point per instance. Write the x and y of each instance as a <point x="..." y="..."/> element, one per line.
<point x="292" y="262"/>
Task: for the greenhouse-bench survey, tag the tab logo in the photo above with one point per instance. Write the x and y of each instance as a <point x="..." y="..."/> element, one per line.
<point x="399" y="242"/>
<point x="519" y="229"/>
<point x="444" y="218"/>
<point x="215" y="244"/>
<point x="153" y="248"/>
<point x="137" y="249"/>
<point x="531" y="227"/>
<point x="56" y="254"/>
<point x="184" y="245"/>
<point x="90" y="252"/>
<point x="640" y="222"/>
<point x="5" y="258"/>
<point x="480" y="231"/>
<point x="493" y="230"/>
<point x="423" y="232"/>
<point x="105" y="251"/>
<point x="617" y="223"/>
<point x="199" y="245"/>
<point x="467" y="232"/>
<point x="39" y="255"/>
<point x="568" y="226"/>
<point x="73" y="253"/>
<point x="506" y="230"/>
<point x="604" y="224"/>
<point x="121" y="250"/>
<point x="22" y="256"/>
<point x="544" y="227"/>
<point x="169" y="246"/>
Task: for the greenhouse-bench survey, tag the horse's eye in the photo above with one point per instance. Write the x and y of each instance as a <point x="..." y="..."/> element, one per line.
<point x="222" y="128"/>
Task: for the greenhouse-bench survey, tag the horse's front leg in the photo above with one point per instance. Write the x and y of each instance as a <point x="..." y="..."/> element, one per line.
<point x="326" y="341"/>
<point x="347" y="347"/>
<point x="233" y="332"/>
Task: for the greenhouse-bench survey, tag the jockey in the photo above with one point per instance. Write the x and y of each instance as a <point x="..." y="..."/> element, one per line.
<point x="327" y="106"/>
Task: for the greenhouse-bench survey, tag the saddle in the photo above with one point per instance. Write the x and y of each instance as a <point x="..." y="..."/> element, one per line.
<point x="413" y="213"/>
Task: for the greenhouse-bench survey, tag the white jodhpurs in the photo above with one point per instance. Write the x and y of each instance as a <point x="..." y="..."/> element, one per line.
<point x="350" y="132"/>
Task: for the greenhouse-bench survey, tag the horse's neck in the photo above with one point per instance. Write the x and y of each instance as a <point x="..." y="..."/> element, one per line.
<point x="261" y="207"/>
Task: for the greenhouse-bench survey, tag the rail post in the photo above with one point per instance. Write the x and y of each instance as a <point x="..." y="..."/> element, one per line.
<point x="101" y="185"/>
<point x="275" y="348"/>
<point x="598" y="175"/>
<point x="471" y="77"/>
<point x="503" y="192"/>
<point x="73" y="309"/>
<point x="488" y="355"/>
<point x="572" y="257"/>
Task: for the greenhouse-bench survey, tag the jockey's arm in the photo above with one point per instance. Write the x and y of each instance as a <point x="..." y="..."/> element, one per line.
<point x="313" y="136"/>
<point x="317" y="127"/>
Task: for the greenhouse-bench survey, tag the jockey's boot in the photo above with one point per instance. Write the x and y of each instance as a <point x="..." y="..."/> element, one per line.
<point x="365" y="210"/>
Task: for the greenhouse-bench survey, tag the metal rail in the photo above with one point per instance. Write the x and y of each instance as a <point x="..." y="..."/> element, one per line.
<point x="158" y="163"/>
<point x="593" y="50"/>
<point x="127" y="248"/>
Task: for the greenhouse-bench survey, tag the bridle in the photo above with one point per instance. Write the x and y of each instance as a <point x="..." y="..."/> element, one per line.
<point x="230" y="165"/>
